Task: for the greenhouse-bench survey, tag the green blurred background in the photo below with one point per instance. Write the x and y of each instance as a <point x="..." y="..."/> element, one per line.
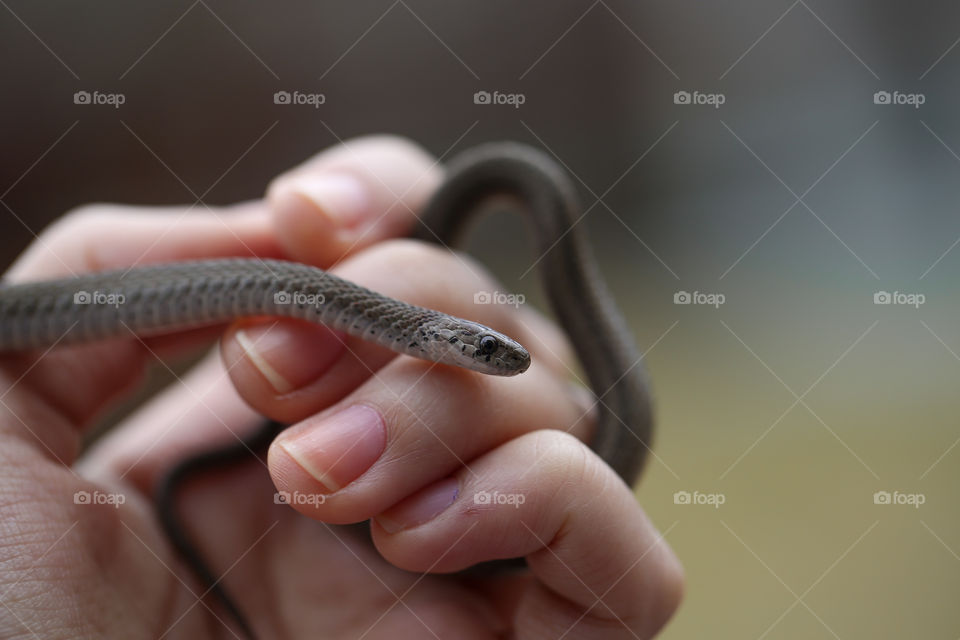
<point x="796" y="400"/>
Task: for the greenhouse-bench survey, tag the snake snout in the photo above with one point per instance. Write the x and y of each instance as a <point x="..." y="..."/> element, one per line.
<point x="519" y="359"/>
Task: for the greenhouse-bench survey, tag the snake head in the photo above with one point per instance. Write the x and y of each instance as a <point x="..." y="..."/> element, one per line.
<point x="474" y="346"/>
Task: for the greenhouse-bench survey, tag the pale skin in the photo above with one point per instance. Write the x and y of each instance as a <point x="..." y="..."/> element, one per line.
<point x="393" y="439"/>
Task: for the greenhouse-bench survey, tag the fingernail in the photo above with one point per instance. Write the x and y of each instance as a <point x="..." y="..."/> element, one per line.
<point x="290" y="355"/>
<point x="340" y="196"/>
<point x="421" y="507"/>
<point x="339" y="448"/>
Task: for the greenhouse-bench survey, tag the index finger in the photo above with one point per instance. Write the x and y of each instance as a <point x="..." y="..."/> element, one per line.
<point x="363" y="187"/>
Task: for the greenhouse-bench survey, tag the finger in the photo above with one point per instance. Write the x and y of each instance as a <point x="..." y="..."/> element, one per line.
<point x="78" y="244"/>
<point x="299" y="369"/>
<point x="109" y="236"/>
<point x="305" y="204"/>
<point x="603" y="570"/>
<point x="410" y="425"/>
<point x="350" y="197"/>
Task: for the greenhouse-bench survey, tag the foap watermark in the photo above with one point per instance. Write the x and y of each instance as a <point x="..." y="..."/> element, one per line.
<point x="699" y="98"/>
<point x="696" y="498"/>
<point x="298" y="498"/>
<point x="497" y="498"/>
<point x="98" y="98"/>
<point x="899" y="298"/>
<point x="99" y="498"/>
<point x="698" y="297"/>
<point x="499" y="297"/>
<point x="105" y="298"/>
<point x="898" y="98"/>
<point x="299" y="98"/>
<point x="897" y="498"/>
<point x="299" y="298"/>
<point x="512" y="99"/>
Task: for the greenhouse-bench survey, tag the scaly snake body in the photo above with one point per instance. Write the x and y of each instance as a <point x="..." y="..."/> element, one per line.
<point x="165" y="298"/>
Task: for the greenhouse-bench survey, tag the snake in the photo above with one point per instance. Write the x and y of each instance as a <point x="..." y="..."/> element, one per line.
<point x="164" y="298"/>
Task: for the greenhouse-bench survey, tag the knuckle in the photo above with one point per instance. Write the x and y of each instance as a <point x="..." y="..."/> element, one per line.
<point x="570" y="471"/>
<point x="565" y="458"/>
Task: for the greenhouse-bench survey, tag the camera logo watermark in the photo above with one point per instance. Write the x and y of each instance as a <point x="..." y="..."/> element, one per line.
<point x="897" y="98"/>
<point x="495" y="497"/>
<point x="299" y="98"/>
<point x="698" y="98"/>
<point x="99" y="498"/>
<point x="899" y="298"/>
<point x="297" y="498"/>
<point x="896" y="498"/>
<point x="299" y="298"/>
<point x="99" y="298"/>
<point x="97" y="98"/>
<point x="696" y="498"/>
<point x="498" y="297"/>
<point x="697" y="297"/>
<point x="512" y="99"/>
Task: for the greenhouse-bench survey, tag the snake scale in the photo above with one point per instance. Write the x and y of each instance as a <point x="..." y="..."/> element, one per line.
<point x="170" y="297"/>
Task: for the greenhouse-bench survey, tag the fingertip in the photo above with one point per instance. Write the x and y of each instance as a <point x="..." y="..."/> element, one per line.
<point x="317" y="215"/>
<point x="351" y="196"/>
<point x="420" y="508"/>
<point x="323" y="455"/>
<point x="268" y="360"/>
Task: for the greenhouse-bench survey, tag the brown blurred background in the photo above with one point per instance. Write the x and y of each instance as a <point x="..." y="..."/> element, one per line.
<point x="700" y="199"/>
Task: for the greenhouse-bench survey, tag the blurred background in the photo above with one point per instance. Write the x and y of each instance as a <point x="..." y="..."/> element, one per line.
<point x="778" y="165"/>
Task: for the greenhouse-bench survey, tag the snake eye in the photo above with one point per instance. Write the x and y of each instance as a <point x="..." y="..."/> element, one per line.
<point x="488" y="345"/>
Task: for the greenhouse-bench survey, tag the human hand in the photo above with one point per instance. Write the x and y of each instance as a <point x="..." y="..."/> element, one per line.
<point x="403" y="440"/>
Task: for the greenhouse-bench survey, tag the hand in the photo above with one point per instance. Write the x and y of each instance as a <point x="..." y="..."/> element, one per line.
<point x="418" y="448"/>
